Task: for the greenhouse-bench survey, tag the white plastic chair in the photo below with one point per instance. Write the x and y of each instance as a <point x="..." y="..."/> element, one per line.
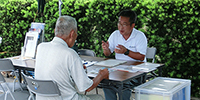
<point x="6" y="65"/>
<point x="150" y="54"/>
<point x="8" y="94"/>
<point x="86" y="52"/>
<point x="47" y="88"/>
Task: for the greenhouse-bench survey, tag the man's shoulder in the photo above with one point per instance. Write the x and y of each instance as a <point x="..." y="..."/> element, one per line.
<point x="70" y="52"/>
<point x="139" y="33"/>
<point x="115" y="33"/>
<point x="44" y="43"/>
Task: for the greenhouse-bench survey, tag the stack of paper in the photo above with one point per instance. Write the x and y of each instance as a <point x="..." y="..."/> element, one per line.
<point x="126" y="68"/>
<point x="146" y="67"/>
<point x="110" y="63"/>
<point x="96" y="70"/>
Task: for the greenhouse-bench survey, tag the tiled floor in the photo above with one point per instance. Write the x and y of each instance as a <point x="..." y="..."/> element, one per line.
<point x="100" y="91"/>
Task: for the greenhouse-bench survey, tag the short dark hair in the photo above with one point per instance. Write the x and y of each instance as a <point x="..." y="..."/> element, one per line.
<point x="129" y="13"/>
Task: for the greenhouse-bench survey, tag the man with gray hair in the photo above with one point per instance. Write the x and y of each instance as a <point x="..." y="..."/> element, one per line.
<point x="56" y="61"/>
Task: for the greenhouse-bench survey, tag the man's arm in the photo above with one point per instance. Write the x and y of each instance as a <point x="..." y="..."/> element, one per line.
<point x="134" y="55"/>
<point x="106" y="50"/>
<point x="103" y="74"/>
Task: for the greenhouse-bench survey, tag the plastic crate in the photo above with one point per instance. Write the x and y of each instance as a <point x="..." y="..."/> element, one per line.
<point x="162" y="88"/>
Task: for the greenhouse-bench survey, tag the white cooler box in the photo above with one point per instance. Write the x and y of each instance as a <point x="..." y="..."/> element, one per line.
<point x="162" y="88"/>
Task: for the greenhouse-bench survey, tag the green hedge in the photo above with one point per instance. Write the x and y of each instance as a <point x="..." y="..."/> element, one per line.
<point x="173" y="29"/>
<point x="172" y="26"/>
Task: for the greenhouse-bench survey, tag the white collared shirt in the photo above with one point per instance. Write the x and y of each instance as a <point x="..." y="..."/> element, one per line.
<point x="137" y="42"/>
<point x="56" y="61"/>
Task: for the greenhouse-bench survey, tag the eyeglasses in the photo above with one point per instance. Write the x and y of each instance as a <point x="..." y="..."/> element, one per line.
<point x="123" y="25"/>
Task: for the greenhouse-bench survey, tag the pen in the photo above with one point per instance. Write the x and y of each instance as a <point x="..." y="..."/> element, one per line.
<point x="85" y="63"/>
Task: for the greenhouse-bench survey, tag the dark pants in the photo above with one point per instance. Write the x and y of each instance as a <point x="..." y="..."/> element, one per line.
<point x="112" y="95"/>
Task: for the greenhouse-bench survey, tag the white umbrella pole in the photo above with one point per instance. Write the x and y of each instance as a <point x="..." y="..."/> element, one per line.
<point x="60" y="3"/>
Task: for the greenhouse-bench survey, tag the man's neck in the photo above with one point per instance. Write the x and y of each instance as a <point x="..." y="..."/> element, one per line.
<point x="63" y="38"/>
<point x="126" y="36"/>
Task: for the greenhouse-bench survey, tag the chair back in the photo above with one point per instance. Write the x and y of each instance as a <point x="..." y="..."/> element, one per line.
<point x="7" y="94"/>
<point x="151" y="52"/>
<point x="42" y="87"/>
<point x="5" y="97"/>
<point x="86" y="52"/>
<point x="6" y="65"/>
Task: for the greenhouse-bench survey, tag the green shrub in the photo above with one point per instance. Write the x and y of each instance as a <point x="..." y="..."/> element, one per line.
<point x="173" y="28"/>
<point x="14" y="24"/>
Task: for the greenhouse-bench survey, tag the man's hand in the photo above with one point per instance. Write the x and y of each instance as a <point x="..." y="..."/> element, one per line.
<point x="105" y="45"/>
<point x="106" y="50"/>
<point x="104" y="73"/>
<point x="135" y="55"/>
<point x="120" y="49"/>
<point x="84" y="66"/>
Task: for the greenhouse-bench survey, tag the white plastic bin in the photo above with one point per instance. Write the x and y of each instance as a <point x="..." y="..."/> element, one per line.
<point x="162" y="88"/>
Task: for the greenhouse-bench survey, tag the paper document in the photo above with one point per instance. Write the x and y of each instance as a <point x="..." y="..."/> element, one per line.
<point x="127" y="68"/>
<point x="110" y="63"/>
<point x="96" y="70"/>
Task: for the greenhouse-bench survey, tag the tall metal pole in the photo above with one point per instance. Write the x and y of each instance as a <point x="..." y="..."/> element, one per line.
<point x="0" y="40"/>
<point x="60" y="3"/>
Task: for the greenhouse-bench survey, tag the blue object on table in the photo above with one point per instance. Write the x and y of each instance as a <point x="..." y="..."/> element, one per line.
<point x="32" y="73"/>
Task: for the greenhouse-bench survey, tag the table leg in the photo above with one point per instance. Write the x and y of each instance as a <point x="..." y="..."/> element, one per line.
<point x="20" y="77"/>
<point x="143" y="79"/>
<point x="160" y="72"/>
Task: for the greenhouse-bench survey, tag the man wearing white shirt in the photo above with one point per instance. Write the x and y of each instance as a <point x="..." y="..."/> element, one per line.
<point x="128" y="44"/>
<point x="57" y="61"/>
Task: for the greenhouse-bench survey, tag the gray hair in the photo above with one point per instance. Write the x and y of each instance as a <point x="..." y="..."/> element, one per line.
<point x="65" y="24"/>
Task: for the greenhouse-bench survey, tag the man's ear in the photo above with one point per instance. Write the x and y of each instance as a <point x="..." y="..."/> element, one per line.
<point x="133" y="25"/>
<point x="71" y="33"/>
